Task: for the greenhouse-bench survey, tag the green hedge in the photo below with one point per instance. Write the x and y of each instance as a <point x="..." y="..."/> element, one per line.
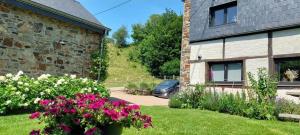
<point x="20" y="92"/>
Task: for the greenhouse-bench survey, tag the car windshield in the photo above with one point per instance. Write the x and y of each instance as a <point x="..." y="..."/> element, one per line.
<point x="168" y="83"/>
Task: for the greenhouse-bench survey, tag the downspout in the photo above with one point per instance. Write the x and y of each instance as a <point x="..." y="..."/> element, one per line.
<point x="101" y="53"/>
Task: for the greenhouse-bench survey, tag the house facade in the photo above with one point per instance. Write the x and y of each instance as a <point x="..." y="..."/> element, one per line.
<point x="48" y="36"/>
<point x="224" y="40"/>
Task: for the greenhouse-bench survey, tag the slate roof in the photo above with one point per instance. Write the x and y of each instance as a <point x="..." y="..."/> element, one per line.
<point x="254" y="16"/>
<point x="71" y="7"/>
<point x="65" y="10"/>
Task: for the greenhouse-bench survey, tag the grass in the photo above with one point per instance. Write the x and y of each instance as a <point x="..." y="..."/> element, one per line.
<point x="177" y="122"/>
<point x="121" y="71"/>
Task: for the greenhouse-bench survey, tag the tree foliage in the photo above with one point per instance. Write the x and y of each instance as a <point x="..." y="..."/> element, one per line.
<point x="159" y="42"/>
<point x="120" y="36"/>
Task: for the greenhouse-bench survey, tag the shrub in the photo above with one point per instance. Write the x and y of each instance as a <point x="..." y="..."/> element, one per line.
<point x="131" y="88"/>
<point x="144" y="86"/>
<point x="88" y="114"/>
<point x="189" y="98"/>
<point x="286" y="106"/>
<point x="261" y="103"/>
<point x="20" y="92"/>
<point x="175" y="101"/>
<point x="140" y="89"/>
<point x="262" y="95"/>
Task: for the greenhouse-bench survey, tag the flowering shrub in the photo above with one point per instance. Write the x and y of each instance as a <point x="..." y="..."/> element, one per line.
<point x="87" y="114"/>
<point x="20" y="92"/>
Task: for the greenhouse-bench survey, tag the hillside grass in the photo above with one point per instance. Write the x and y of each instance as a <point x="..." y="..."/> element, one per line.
<point x="121" y="71"/>
<point x="168" y="121"/>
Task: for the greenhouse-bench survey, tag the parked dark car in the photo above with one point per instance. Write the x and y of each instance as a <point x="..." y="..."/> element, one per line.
<point x="166" y="88"/>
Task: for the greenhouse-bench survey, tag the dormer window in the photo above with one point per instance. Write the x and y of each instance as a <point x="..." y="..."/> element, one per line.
<point x="223" y="14"/>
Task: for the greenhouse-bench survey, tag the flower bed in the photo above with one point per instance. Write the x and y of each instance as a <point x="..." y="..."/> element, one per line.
<point x="88" y="114"/>
<point x="20" y="92"/>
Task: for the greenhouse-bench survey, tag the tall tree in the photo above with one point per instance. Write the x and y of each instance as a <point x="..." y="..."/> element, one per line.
<point x="159" y="43"/>
<point x="120" y="36"/>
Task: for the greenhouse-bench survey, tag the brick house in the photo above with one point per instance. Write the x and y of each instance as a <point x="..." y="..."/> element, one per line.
<point x="223" y="40"/>
<point x="47" y="36"/>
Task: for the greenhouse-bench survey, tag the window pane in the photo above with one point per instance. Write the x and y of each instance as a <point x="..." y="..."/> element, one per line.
<point x="235" y="72"/>
<point x="219" y="17"/>
<point x="232" y="14"/>
<point x="289" y="70"/>
<point x="217" y="72"/>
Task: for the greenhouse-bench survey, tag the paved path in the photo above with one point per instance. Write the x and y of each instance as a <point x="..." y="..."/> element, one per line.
<point x="118" y="93"/>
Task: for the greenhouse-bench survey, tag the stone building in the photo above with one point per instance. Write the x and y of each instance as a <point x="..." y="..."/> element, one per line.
<point x="47" y="36"/>
<point x="224" y="40"/>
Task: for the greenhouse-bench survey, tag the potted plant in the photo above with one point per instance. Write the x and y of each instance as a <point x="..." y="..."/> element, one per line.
<point x="88" y="114"/>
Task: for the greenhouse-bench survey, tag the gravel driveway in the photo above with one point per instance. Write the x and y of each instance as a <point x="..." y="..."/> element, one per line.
<point x="118" y="93"/>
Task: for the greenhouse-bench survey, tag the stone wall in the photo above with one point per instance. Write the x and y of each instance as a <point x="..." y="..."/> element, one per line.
<point x="31" y="43"/>
<point x="185" y="47"/>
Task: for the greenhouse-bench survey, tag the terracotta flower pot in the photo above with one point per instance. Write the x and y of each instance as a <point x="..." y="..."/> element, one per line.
<point x="113" y="129"/>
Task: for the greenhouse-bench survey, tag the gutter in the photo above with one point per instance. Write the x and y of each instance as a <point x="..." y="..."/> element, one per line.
<point x="50" y="12"/>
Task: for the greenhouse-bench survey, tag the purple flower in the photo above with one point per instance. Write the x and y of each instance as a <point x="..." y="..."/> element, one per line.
<point x="35" y="132"/>
<point x="91" y="131"/>
<point x="65" y="128"/>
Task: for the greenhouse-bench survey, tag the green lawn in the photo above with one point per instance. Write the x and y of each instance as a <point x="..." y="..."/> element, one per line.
<point x="121" y="71"/>
<point x="178" y="122"/>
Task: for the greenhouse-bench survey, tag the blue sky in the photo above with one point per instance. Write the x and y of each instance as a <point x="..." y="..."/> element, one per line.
<point x="137" y="11"/>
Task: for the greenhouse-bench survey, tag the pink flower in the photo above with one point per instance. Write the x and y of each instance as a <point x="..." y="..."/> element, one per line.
<point x="124" y="113"/>
<point x="91" y="131"/>
<point x="45" y="102"/>
<point x="35" y="132"/>
<point x="134" y="107"/>
<point x="65" y="128"/>
<point x="96" y="105"/>
<point x="114" y="115"/>
<point x="35" y="115"/>
<point x="76" y="121"/>
<point x="119" y="103"/>
<point x="87" y="115"/>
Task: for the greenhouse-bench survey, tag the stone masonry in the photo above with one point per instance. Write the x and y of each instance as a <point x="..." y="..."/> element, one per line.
<point x="31" y="43"/>
<point x="185" y="48"/>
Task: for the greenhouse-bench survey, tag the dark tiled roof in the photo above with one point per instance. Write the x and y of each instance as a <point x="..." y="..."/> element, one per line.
<point x="71" y="7"/>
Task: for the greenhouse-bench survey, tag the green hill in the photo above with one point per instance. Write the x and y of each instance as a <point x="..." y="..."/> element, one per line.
<point x="121" y="71"/>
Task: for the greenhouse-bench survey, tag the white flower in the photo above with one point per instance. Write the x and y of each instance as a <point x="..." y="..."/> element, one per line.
<point x="60" y="81"/>
<point x="37" y="100"/>
<point x="73" y="76"/>
<point x="66" y="75"/>
<point x="9" y="75"/>
<point x="42" y="93"/>
<point x="8" y="102"/>
<point x="18" y="93"/>
<point x="26" y="89"/>
<point x="84" y="80"/>
<point x="20" y="83"/>
<point x="44" y="77"/>
<point x="2" y="78"/>
<point x="14" y="88"/>
<point x="16" y="78"/>
<point x="48" y="91"/>
<point x="20" y="73"/>
<point x="26" y="84"/>
<point x="26" y="104"/>
<point x="89" y="90"/>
